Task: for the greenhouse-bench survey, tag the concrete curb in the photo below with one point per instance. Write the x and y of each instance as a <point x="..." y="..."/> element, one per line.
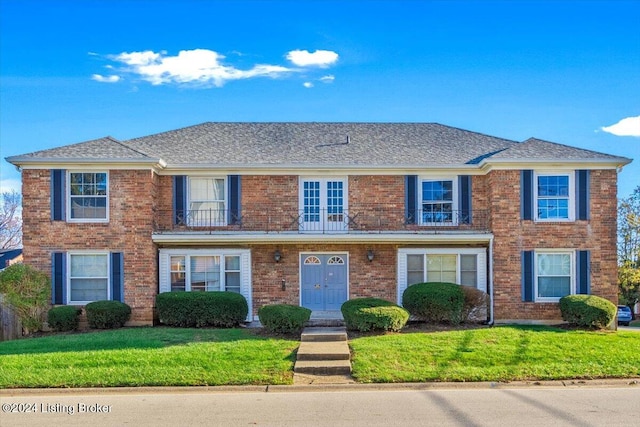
<point x="575" y="383"/>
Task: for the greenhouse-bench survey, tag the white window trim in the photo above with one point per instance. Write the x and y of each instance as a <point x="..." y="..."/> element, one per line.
<point x="454" y="202"/>
<point x="323" y="200"/>
<point x="481" y="253"/>
<point x="572" y="272"/>
<point x="68" y="197"/>
<point x="68" y="275"/>
<point x="572" y="195"/>
<point x="225" y="202"/>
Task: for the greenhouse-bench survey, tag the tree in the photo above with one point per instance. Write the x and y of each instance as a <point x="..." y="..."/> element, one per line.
<point x="629" y="248"/>
<point x="10" y="220"/>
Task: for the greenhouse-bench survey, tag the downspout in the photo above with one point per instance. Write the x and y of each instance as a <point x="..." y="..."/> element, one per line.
<point x="491" y="281"/>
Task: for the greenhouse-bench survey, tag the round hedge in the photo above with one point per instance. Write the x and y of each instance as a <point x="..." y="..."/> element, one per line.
<point x="283" y="318"/>
<point x="107" y="314"/>
<point x="366" y="314"/>
<point x="587" y="310"/>
<point x="435" y="301"/>
<point x="198" y="309"/>
<point x="64" y="318"/>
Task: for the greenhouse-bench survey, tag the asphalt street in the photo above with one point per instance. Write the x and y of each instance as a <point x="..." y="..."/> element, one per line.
<point x="326" y="406"/>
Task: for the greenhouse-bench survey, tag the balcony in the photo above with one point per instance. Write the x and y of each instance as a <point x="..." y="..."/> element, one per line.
<point x="363" y="219"/>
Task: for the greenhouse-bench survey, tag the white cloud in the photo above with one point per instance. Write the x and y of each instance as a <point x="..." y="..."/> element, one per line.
<point x="307" y="84"/>
<point x="328" y="79"/>
<point x="319" y="58"/>
<point x="197" y="66"/>
<point x="105" y="79"/>
<point x="629" y="126"/>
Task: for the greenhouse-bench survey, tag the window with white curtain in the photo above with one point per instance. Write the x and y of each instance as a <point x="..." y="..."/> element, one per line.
<point x="207" y="201"/>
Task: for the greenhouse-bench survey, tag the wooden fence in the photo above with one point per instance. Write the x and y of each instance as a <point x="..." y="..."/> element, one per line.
<point x="10" y="324"/>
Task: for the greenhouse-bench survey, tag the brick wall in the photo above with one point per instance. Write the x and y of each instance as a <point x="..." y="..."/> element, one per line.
<point x="132" y="196"/>
<point x="513" y="235"/>
<point x="377" y="278"/>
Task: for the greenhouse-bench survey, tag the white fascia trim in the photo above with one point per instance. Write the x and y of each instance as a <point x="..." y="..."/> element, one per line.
<point x="591" y="164"/>
<point x="322" y="170"/>
<point x="88" y="164"/>
<point x="275" y="238"/>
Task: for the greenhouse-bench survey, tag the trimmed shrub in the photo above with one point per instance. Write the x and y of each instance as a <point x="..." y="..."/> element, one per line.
<point x="587" y="310"/>
<point x="64" y="318"/>
<point x="107" y="314"/>
<point x="367" y="314"/>
<point x="435" y="301"/>
<point x="283" y="318"/>
<point x="198" y="309"/>
<point x="476" y="304"/>
<point x="28" y="291"/>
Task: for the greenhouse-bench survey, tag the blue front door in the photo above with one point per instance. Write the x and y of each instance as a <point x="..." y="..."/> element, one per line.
<point x="324" y="281"/>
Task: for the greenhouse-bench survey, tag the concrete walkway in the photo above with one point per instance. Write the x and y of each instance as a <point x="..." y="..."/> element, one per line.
<point x="323" y="357"/>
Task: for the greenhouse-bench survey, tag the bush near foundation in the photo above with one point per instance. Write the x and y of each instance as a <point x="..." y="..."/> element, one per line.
<point x="476" y="304"/>
<point x="107" y="314"/>
<point x="367" y="314"/>
<point x="283" y="318"/>
<point x="64" y="318"/>
<point x="435" y="301"/>
<point x="587" y="311"/>
<point x="199" y="309"/>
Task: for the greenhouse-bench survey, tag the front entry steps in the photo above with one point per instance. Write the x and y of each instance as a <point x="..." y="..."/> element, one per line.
<point x="323" y="352"/>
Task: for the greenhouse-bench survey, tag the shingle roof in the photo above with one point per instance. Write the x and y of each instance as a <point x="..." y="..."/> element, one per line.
<point x="107" y="148"/>
<point x="538" y="149"/>
<point x="397" y="145"/>
<point x="369" y="144"/>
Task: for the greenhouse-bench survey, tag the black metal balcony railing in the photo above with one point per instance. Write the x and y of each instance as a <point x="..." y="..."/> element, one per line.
<point x="277" y="219"/>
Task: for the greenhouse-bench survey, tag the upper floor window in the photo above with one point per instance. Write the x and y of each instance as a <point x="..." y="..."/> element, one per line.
<point x="438" y="201"/>
<point x="207" y="201"/>
<point x="554" y="197"/>
<point x="88" y="196"/>
<point x="323" y="205"/>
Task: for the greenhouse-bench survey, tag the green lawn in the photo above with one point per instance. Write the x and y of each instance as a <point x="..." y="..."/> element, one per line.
<point x="147" y="357"/>
<point x="505" y="353"/>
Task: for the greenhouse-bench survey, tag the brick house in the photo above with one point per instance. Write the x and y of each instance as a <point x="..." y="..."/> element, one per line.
<point x="314" y="214"/>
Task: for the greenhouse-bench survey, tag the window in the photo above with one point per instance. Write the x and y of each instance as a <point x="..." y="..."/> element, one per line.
<point x="88" y="277"/>
<point x="206" y="202"/>
<point x="445" y="265"/>
<point x="204" y="273"/>
<point x="554" y="197"/>
<point x="323" y="205"/>
<point x="88" y="196"/>
<point x="438" y="201"/>
<point x="554" y="278"/>
<point x="178" y="273"/>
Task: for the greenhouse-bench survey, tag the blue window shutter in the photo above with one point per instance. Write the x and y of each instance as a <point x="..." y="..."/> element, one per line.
<point x="582" y="194"/>
<point x="528" y="275"/>
<point x="234" y="198"/>
<point x="526" y="194"/>
<point x="411" y="198"/>
<point x="117" y="276"/>
<point x="464" y="189"/>
<point x="58" y="194"/>
<point x="583" y="261"/>
<point x="58" y="278"/>
<point x="179" y="199"/>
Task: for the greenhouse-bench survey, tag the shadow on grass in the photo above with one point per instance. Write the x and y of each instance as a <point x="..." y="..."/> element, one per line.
<point x="126" y="338"/>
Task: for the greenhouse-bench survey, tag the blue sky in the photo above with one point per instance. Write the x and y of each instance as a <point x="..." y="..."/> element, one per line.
<point x="557" y="70"/>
